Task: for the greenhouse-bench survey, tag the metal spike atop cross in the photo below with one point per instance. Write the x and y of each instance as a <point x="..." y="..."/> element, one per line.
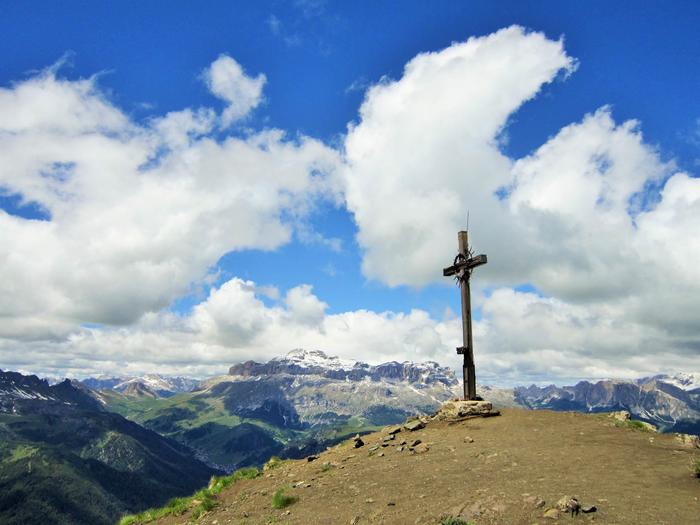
<point x="461" y="269"/>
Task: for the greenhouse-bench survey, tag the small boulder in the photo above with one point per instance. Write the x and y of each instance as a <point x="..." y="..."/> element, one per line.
<point x="552" y="514"/>
<point x="569" y="504"/>
<point x="620" y="415"/>
<point x="688" y="440"/>
<point x="421" y="448"/>
<point x="413" y="425"/>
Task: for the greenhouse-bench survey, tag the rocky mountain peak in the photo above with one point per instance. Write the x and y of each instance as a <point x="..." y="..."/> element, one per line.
<point x="137" y="389"/>
<point x="688" y="381"/>
<point x="20" y="394"/>
<point x="317" y="362"/>
<point x="315" y="358"/>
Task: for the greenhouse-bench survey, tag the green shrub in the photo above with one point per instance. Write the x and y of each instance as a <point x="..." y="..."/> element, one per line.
<point x="280" y="500"/>
<point x="697" y="468"/>
<point x="326" y="467"/>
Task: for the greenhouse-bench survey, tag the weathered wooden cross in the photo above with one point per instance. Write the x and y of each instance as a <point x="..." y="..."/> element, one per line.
<point x="462" y="268"/>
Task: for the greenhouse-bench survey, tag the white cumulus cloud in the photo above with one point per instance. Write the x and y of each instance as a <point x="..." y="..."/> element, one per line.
<point x="137" y="213"/>
<point x="595" y="219"/>
<point x="227" y="80"/>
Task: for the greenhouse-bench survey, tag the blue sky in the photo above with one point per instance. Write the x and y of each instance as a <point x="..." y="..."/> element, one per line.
<point x="639" y="61"/>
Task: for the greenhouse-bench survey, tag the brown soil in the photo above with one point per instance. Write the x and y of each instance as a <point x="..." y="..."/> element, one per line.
<point x="631" y="477"/>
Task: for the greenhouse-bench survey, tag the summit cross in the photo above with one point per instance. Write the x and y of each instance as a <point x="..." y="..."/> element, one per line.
<point x="461" y="269"/>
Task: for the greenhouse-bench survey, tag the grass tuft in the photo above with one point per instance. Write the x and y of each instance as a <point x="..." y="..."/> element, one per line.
<point x="272" y="463"/>
<point x="280" y="500"/>
<point x="634" y="425"/>
<point x="455" y="521"/>
<point x="202" y="501"/>
<point x="697" y="468"/>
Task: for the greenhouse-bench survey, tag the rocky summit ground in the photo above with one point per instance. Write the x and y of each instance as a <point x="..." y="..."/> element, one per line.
<point x="511" y="469"/>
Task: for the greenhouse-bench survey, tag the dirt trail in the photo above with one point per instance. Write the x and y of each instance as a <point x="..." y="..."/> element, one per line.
<point x="632" y="477"/>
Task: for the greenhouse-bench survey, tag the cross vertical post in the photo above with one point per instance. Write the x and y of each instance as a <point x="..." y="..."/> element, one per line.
<point x="468" y="368"/>
<point x="461" y="269"/>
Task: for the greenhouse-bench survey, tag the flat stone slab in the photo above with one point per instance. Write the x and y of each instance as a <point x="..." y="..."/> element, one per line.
<point x="457" y="410"/>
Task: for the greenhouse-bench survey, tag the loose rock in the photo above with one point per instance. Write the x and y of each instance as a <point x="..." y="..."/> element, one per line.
<point x="458" y="409"/>
<point x="413" y="425"/>
<point x="620" y="415"/>
<point x="552" y="514"/>
<point x="688" y="440"/>
<point x="421" y="448"/>
<point x="569" y="504"/>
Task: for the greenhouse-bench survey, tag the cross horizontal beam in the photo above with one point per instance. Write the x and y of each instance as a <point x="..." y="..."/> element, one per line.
<point x="468" y="265"/>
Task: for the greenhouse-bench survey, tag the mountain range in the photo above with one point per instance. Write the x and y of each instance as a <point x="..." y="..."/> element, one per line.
<point x="299" y="403"/>
<point x="163" y="386"/>
<point x="672" y="403"/>
<point x="132" y="442"/>
<point x="65" y="459"/>
<point x="310" y="388"/>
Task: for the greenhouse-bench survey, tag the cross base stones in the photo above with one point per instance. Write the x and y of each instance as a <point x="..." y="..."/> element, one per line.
<point x="458" y="410"/>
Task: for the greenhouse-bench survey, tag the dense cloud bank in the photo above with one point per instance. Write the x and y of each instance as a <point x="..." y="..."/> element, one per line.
<point x="137" y="214"/>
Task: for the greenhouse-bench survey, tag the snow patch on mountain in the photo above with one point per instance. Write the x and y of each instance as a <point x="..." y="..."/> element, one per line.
<point x="685" y="381"/>
<point x="316" y="362"/>
<point x="316" y="358"/>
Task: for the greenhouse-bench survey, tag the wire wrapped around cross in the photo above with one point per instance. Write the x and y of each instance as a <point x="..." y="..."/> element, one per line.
<point x="465" y="272"/>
